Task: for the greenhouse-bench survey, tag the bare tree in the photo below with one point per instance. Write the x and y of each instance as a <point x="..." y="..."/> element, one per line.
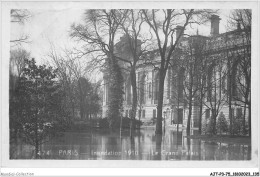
<point x="69" y="70"/>
<point x="192" y="64"/>
<point x="216" y="97"/>
<point x="19" y="16"/>
<point x="202" y="90"/>
<point x="241" y="78"/>
<point x="131" y="49"/>
<point x="98" y="37"/>
<point x="163" y="23"/>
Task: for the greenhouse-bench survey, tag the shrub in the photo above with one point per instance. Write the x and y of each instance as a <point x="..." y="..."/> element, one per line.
<point x="222" y="124"/>
<point x="103" y="123"/>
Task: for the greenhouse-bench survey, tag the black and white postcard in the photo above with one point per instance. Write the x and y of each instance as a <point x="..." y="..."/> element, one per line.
<point x="130" y="84"/>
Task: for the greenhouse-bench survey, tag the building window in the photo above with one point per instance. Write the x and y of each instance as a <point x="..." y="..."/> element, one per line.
<point x="143" y="114"/>
<point x="180" y="116"/>
<point x="154" y="113"/>
<point x="239" y="113"/>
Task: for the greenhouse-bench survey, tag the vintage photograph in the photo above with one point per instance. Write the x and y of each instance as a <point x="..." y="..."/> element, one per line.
<point x="130" y="84"/>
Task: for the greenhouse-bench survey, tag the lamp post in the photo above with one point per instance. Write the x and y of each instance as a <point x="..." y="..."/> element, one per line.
<point x="36" y="119"/>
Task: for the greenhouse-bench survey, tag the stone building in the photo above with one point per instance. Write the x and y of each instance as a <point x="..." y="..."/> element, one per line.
<point x="217" y="73"/>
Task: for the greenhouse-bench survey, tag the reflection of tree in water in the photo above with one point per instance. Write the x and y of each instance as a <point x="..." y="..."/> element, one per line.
<point x="145" y="143"/>
<point x="16" y="149"/>
<point x="210" y="149"/>
<point x="112" y="145"/>
<point x="90" y="146"/>
<point x="237" y="152"/>
<point x="222" y="151"/>
<point x="13" y="152"/>
<point x="158" y="147"/>
<point x="132" y="142"/>
<point x="249" y="150"/>
<point x="199" y="149"/>
<point x="188" y="149"/>
<point x="139" y="145"/>
<point x="179" y="138"/>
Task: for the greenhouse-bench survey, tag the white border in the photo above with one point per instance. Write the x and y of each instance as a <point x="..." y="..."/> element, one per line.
<point x="5" y="35"/>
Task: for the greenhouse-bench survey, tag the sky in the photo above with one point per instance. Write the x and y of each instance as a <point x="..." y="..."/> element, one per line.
<point x="46" y="27"/>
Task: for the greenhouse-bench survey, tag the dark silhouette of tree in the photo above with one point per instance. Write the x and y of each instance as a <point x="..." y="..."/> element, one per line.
<point x="85" y="90"/>
<point x="89" y="99"/>
<point x="98" y="37"/>
<point x="36" y="102"/>
<point x="16" y="66"/>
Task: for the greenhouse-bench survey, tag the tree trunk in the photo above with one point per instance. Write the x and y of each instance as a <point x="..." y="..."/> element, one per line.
<point x="214" y="122"/>
<point x="82" y="99"/>
<point x="178" y="107"/>
<point x="139" y="115"/>
<point x="71" y="99"/>
<point x="230" y="100"/>
<point x="36" y="130"/>
<point x="116" y="93"/>
<point x="158" y="146"/>
<point x="190" y="112"/>
<point x="200" y="113"/>
<point x="160" y="103"/>
<point x="190" y="97"/>
<point x="188" y="148"/>
<point x="36" y="139"/>
<point x="73" y="109"/>
<point x="244" y="120"/>
<point x="134" y="103"/>
<point x="249" y="119"/>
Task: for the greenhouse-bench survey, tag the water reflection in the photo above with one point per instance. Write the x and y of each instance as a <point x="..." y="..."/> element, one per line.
<point x="142" y="145"/>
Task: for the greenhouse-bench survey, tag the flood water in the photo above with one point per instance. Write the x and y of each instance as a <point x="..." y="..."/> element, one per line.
<point x="143" y="145"/>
